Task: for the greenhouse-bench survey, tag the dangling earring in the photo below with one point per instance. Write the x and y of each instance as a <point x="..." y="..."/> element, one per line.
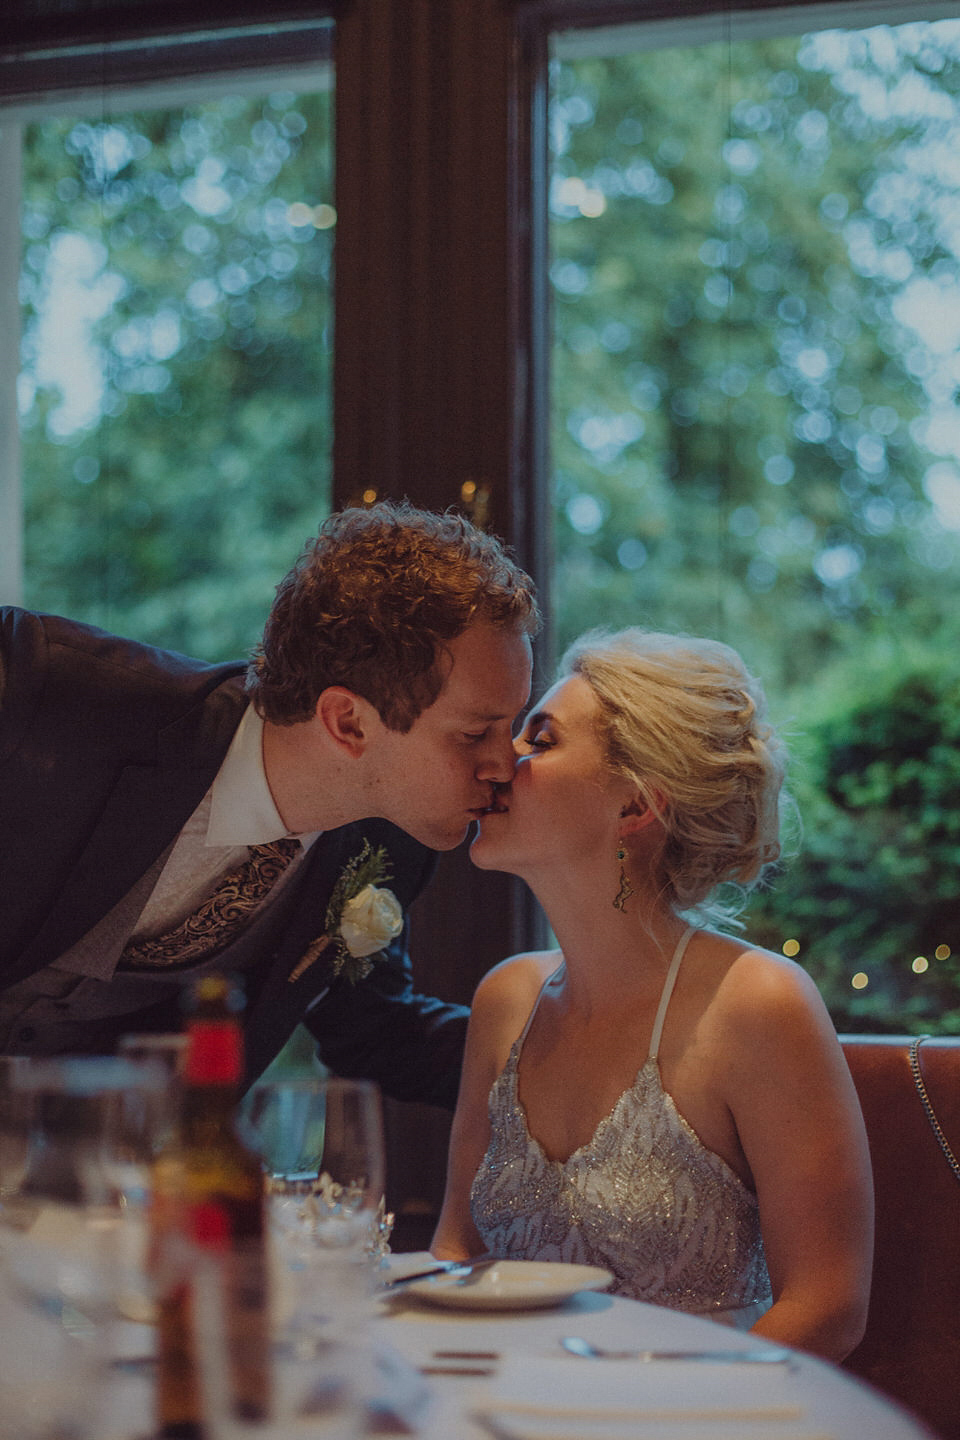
<point x="626" y="889"/>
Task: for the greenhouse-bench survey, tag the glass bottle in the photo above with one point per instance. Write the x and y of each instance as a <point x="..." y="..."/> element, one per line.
<point x="208" y="1197"/>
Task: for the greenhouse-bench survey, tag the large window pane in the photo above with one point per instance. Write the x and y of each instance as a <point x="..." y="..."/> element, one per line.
<point x="175" y="390"/>
<point x="754" y="261"/>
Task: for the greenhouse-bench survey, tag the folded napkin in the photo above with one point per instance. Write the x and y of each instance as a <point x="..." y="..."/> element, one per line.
<point x="571" y="1399"/>
<point x="507" y="1426"/>
<point x="400" y="1398"/>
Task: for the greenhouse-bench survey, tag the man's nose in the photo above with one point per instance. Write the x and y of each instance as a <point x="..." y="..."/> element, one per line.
<point x="499" y="763"/>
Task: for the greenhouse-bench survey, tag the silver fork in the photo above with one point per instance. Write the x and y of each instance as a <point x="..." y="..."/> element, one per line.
<point x="756" y="1355"/>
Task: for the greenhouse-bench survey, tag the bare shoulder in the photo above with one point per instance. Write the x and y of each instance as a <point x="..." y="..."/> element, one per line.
<point x="766" y="1000"/>
<point x="516" y="981"/>
<point x="772" y="982"/>
<point x="501" y="1006"/>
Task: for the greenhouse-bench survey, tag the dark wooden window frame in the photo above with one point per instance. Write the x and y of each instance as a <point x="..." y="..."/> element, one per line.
<point x="442" y="331"/>
<point x="442" y="327"/>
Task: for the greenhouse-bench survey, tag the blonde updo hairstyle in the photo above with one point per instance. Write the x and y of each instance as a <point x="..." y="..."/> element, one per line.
<point x="684" y="721"/>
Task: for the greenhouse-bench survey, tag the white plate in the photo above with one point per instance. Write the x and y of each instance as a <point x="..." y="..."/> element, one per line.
<point x="511" y="1285"/>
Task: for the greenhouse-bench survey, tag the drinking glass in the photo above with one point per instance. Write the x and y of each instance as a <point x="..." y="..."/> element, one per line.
<point x="14" y="1138"/>
<point x="321" y="1145"/>
<point x="66" y="1257"/>
<point x="315" y="1383"/>
<point x="48" y="1375"/>
<point x="138" y="1121"/>
<point x="163" y="1053"/>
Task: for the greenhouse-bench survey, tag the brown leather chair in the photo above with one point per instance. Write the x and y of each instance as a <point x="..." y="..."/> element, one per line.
<point x="911" y="1349"/>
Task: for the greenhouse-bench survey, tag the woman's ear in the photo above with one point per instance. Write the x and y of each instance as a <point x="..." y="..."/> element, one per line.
<point x="637" y="814"/>
<point x="633" y="821"/>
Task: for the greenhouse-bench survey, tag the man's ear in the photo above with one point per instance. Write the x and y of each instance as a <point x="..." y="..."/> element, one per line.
<point x="345" y="718"/>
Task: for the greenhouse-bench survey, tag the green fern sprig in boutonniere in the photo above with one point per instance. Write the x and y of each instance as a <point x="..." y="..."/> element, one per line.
<point x="362" y="917"/>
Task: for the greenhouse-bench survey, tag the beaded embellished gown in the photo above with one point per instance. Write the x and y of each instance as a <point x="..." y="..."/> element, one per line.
<point x="644" y="1198"/>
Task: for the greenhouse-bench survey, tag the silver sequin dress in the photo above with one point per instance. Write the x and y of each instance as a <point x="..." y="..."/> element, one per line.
<point x="643" y="1197"/>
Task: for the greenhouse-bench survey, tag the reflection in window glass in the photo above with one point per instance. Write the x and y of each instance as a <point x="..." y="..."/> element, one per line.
<point x="755" y="262"/>
<point x="175" y="386"/>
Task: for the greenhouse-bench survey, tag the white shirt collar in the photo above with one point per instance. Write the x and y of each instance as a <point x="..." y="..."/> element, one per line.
<point x="242" y="810"/>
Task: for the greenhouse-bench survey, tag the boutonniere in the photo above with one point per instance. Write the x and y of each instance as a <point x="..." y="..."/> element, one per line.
<point x="362" y="918"/>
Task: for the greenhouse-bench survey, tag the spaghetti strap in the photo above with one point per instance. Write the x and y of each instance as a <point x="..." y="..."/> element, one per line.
<point x="668" y="985"/>
<point x="536" y="1005"/>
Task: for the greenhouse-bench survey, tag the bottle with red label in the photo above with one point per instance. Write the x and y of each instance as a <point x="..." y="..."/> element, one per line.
<point x="208" y="1204"/>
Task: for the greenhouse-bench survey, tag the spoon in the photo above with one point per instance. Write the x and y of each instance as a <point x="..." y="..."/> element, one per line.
<point x="757" y="1355"/>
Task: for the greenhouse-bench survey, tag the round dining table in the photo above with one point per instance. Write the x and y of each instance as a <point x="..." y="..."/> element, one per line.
<point x="442" y="1373"/>
<point x="505" y="1374"/>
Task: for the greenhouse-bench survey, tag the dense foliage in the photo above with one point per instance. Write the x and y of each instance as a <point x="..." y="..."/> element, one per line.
<point x="755" y="276"/>
<point x="754" y="264"/>
<point x="176" y="386"/>
<point x="874" y="888"/>
<point x="745" y="415"/>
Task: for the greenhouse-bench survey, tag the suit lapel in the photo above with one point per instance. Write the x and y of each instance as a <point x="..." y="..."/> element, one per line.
<point x="122" y="847"/>
<point x="279" y="1005"/>
<point x="143" y="815"/>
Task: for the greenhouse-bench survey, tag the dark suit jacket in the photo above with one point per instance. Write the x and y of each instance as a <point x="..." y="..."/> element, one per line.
<point x="106" y="749"/>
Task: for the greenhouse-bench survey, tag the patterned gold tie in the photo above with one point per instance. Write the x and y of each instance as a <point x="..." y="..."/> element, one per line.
<point x="222" y="915"/>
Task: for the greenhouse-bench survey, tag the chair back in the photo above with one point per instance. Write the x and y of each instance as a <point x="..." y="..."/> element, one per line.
<point x="911" y="1349"/>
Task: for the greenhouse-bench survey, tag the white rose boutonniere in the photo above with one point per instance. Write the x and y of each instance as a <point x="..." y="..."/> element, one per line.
<point x="370" y="920"/>
<point x="362" y="917"/>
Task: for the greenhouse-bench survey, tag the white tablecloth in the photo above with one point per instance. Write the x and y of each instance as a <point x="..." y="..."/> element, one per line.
<point x="514" y="1381"/>
<point x="534" y="1387"/>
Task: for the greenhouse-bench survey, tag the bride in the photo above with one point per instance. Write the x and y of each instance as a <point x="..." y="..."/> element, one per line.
<point x="655" y="1096"/>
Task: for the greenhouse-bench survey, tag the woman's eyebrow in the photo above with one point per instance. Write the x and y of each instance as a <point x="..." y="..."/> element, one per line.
<point x="543" y="717"/>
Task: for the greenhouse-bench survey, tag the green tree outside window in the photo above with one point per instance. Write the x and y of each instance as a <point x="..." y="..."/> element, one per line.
<point x="177" y="348"/>
<point x="755" y="265"/>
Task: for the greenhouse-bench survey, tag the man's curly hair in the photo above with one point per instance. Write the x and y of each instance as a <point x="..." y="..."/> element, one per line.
<point x="372" y="602"/>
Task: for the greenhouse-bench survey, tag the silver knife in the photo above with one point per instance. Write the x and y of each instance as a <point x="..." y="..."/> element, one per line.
<point x="460" y="1269"/>
<point x="758" y="1355"/>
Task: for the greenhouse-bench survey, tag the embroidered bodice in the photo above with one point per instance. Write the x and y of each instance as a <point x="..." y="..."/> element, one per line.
<point x="643" y="1197"/>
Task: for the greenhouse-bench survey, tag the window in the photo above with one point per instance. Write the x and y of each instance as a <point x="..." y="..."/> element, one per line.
<point x="755" y="275"/>
<point x="443" y="155"/>
<point x="442" y="148"/>
<point x="175" y="389"/>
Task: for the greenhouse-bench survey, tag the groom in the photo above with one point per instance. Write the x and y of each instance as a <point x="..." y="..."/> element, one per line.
<point x="161" y="818"/>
